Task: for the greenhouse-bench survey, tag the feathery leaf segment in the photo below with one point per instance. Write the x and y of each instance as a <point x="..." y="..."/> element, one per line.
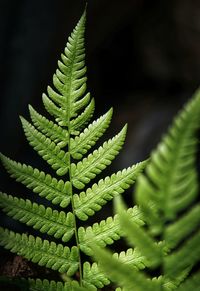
<point x="167" y="196"/>
<point x="66" y="140"/>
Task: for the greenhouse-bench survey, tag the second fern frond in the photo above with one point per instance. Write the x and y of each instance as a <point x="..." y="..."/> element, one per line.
<point x="166" y="193"/>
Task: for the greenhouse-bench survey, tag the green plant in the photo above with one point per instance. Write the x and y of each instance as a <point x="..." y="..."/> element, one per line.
<point x="169" y="242"/>
<point x="62" y="144"/>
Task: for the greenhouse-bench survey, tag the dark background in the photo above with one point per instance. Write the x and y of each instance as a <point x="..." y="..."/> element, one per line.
<point x="143" y="59"/>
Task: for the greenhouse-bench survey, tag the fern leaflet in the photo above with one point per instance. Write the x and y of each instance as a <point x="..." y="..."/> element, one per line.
<point x="41" y="251"/>
<point x="89" y="167"/>
<point x="56" y="133"/>
<point x="44" y="219"/>
<point x="105" y="232"/>
<point x="90" y="201"/>
<point x="52" y="189"/>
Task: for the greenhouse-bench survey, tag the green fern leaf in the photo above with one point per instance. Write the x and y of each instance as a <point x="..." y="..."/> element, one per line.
<point x="55" y="97"/>
<point x="44" y="219"/>
<point x="40" y="251"/>
<point x="53" y="131"/>
<point x="132" y="257"/>
<point x="80" y="104"/>
<point x="72" y="107"/>
<point x="138" y="238"/>
<point x="82" y="143"/>
<point x="45" y="285"/>
<point x="183" y="227"/>
<point x="41" y="285"/>
<point x="166" y="189"/>
<point x="52" y="189"/>
<point x="96" y="162"/>
<point x="83" y="119"/>
<point x="191" y="283"/>
<point x="57" y="158"/>
<point x="123" y="274"/>
<point x="69" y="80"/>
<point x="55" y="111"/>
<point x="93" y="278"/>
<point x="105" y="232"/>
<point x="174" y="283"/>
<point x="169" y="186"/>
<point x="92" y="200"/>
<point x="187" y="256"/>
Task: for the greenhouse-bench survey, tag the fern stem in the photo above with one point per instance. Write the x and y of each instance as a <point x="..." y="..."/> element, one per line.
<point x="73" y="211"/>
<point x="70" y="176"/>
<point x="79" y="253"/>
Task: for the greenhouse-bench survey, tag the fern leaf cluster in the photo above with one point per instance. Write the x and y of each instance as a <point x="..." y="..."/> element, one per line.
<point x="66" y="141"/>
<point x="167" y="195"/>
<point x="105" y="232"/>
<point x="43" y="252"/>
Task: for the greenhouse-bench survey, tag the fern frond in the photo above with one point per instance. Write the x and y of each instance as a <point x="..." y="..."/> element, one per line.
<point x="171" y="182"/>
<point x="41" y="285"/>
<point x="52" y="189"/>
<point x="69" y="80"/>
<point x="55" y="157"/>
<point x="97" y="161"/>
<point x="94" y="198"/>
<point x="191" y="283"/>
<point x="174" y="283"/>
<point x="44" y="219"/>
<point x="45" y="285"/>
<point x="93" y="278"/>
<point x="139" y="238"/>
<point x="187" y="256"/>
<point x="123" y="274"/>
<point x="72" y="107"/>
<point x="42" y="252"/>
<point x="80" y="104"/>
<point x="56" y="133"/>
<point x="105" y="232"/>
<point x="132" y="257"/>
<point x="82" y="143"/>
<point x="56" y="97"/>
<point x="93" y="275"/>
<point x="52" y="286"/>
<point x="54" y="110"/>
<point x="83" y="119"/>
<point x="183" y="227"/>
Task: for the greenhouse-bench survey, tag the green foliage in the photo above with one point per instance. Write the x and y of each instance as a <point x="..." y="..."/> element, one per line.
<point x="43" y="252"/>
<point x="166" y="193"/>
<point x="65" y="140"/>
<point x="42" y="285"/>
<point x="105" y="232"/>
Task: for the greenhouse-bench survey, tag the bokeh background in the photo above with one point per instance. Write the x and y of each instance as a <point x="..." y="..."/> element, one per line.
<point x="143" y="59"/>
